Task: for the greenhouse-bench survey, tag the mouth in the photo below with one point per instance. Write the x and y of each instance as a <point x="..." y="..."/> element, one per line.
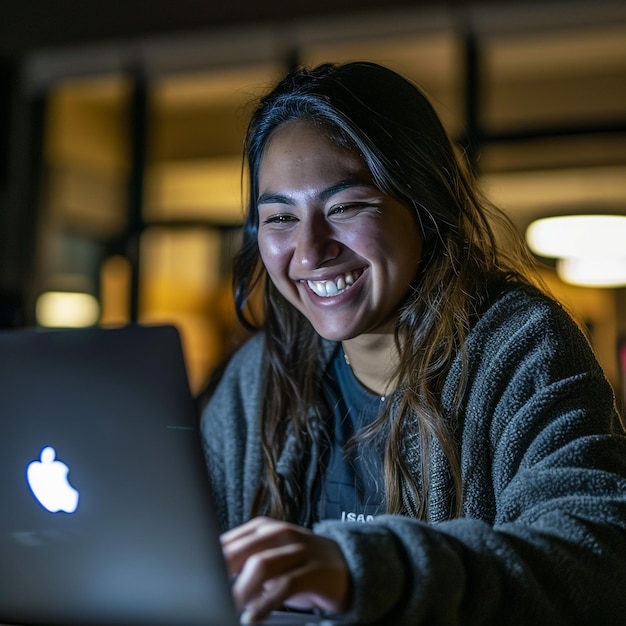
<point x="335" y="286"/>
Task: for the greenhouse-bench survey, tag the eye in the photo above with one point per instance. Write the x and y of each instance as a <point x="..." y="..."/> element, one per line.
<point x="280" y="218"/>
<point x="343" y="208"/>
<point x="348" y="208"/>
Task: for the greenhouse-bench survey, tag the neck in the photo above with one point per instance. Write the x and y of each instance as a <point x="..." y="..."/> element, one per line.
<point x="373" y="359"/>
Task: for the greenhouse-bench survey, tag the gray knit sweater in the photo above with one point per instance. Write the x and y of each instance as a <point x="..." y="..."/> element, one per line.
<point x="542" y="537"/>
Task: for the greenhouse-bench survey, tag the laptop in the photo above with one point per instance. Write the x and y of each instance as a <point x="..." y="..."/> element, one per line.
<point x="107" y="515"/>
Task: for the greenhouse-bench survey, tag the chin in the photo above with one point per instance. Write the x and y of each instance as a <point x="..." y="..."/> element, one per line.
<point x="335" y="334"/>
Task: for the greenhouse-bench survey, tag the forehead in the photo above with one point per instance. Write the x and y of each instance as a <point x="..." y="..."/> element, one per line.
<point x="324" y="131"/>
<point x="305" y="148"/>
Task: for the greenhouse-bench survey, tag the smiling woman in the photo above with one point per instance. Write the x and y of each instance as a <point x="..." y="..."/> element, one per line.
<point x="496" y="461"/>
<point x="319" y="234"/>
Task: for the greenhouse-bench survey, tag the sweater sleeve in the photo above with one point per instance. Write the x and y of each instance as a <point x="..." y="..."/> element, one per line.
<point x="230" y="434"/>
<point x="543" y="537"/>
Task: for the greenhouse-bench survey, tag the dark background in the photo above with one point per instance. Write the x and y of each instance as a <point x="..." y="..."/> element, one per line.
<point x="27" y="24"/>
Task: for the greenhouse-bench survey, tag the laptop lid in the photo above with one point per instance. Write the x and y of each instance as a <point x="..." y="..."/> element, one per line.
<point x="101" y="481"/>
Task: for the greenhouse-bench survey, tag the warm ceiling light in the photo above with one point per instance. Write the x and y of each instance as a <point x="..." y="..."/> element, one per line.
<point x="593" y="271"/>
<point x="576" y="236"/>
<point x="58" y="309"/>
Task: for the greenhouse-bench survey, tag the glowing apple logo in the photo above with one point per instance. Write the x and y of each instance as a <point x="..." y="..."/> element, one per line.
<point x="47" y="479"/>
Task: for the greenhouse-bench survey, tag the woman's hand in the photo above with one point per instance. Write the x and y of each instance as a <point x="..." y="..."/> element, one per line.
<point x="279" y="564"/>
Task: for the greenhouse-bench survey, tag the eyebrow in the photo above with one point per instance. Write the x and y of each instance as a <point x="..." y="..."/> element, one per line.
<point x="278" y="198"/>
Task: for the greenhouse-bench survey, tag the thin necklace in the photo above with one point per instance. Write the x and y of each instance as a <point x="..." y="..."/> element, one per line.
<point x="347" y="360"/>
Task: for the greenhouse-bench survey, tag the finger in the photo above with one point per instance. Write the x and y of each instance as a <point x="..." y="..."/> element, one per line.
<point x="245" y="529"/>
<point x="234" y="547"/>
<point x="276" y="561"/>
<point x="271" y="599"/>
<point x="260" y="527"/>
<point x="298" y="576"/>
<point x="265" y="535"/>
<point x="262" y="570"/>
<point x="292" y="585"/>
<point x="292" y="589"/>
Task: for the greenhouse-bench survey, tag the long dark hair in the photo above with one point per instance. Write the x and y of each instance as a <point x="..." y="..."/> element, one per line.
<point x="389" y="122"/>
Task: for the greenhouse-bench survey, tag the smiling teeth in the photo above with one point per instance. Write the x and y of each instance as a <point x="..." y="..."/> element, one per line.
<point x="327" y="288"/>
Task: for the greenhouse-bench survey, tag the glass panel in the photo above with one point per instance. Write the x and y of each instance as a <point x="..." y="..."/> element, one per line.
<point x="115" y="286"/>
<point x="182" y="283"/>
<point x="84" y="201"/>
<point x="86" y="154"/>
<point x="208" y="189"/>
<point x="432" y="60"/>
<point x="528" y="195"/>
<point x="555" y="152"/>
<point x="555" y="78"/>
<point x="197" y="127"/>
<point x="198" y="123"/>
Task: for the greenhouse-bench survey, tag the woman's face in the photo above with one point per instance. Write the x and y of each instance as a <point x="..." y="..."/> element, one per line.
<point x="336" y="247"/>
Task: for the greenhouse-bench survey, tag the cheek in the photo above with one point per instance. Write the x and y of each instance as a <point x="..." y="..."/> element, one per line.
<point x="273" y="255"/>
<point x="266" y="249"/>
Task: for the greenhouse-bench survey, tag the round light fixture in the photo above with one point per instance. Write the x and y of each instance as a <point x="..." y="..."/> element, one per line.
<point x="59" y="309"/>
<point x="593" y="271"/>
<point x="590" y="249"/>
<point x="578" y="236"/>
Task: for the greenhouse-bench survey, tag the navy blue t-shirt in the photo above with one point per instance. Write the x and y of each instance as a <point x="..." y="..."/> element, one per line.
<point x="351" y="485"/>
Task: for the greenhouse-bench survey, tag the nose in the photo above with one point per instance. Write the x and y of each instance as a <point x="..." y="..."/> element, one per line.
<point x="315" y="244"/>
